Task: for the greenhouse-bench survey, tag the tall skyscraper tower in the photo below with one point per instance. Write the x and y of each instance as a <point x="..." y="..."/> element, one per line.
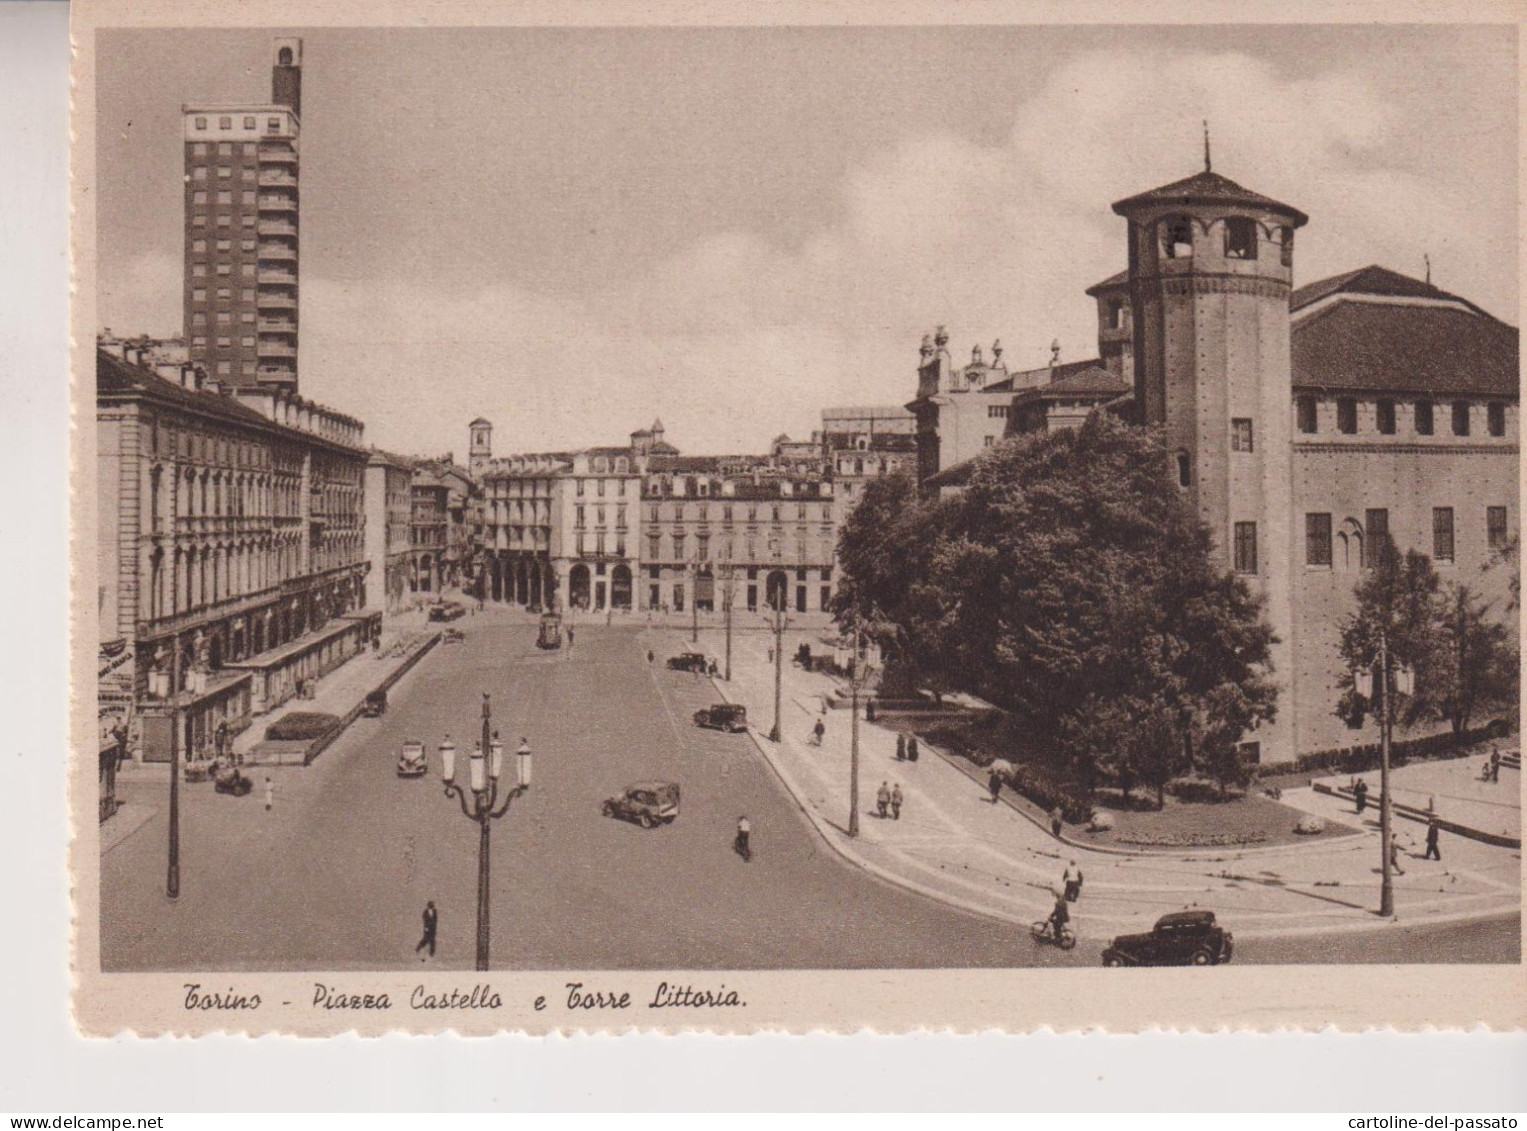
<point x="241" y="232"/>
<point x="1210" y="270"/>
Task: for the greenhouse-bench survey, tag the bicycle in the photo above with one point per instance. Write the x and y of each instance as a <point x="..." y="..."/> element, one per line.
<point x="1044" y="932"/>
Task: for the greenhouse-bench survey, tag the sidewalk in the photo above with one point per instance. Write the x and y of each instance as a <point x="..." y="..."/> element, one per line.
<point x="953" y="845"/>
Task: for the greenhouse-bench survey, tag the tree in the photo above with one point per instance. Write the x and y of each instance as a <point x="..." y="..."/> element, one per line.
<point x="1473" y="664"/>
<point x="1071" y="584"/>
<point x="1397" y="603"/>
<point x="877" y="556"/>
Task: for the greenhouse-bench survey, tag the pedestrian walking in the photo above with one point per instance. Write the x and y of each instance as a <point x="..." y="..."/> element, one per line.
<point x="1433" y="830"/>
<point x="270" y="793"/>
<point x="1055" y="822"/>
<point x="1394" y="854"/>
<point x="742" y="845"/>
<point x="817" y="732"/>
<point x="901" y="748"/>
<point x="650" y="656"/>
<point x="1495" y="763"/>
<point x="896" y="800"/>
<point x="912" y="749"/>
<point x="1360" y="796"/>
<point x="883" y="799"/>
<point x="431" y="923"/>
<point x="569" y="636"/>
<point x="994" y="783"/>
<point x="1073" y="882"/>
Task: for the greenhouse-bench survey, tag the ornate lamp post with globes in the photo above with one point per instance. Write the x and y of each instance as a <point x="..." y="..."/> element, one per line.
<point x="485" y="805"/>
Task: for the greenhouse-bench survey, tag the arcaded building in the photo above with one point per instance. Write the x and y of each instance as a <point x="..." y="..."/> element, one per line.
<point x="1302" y="422"/>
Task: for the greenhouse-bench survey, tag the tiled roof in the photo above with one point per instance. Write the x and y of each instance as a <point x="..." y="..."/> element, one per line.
<point x="115" y="378"/>
<point x="1372" y="280"/>
<point x="1091" y="381"/>
<point x="1208" y="188"/>
<point x="1389" y="347"/>
<point x="1112" y="283"/>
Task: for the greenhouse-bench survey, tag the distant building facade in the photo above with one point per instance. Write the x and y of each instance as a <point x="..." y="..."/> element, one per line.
<point x="241" y="231"/>
<point x="389" y="530"/>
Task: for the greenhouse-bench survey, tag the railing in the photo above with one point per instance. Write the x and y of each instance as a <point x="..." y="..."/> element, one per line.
<point x="282" y="154"/>
<point x="275" y="349"/>
<point x="277" y="228"/>
<point x="278" y="180"/>
<point x="276" y="326"/>
<point x="276" y="299"/>
<point x="277" y="251"/>
<point x="279" y="203"/>
<point x="283" y="278"/>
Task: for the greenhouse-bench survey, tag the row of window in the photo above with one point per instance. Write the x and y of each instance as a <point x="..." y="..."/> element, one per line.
<point x="272" y="125"/>
<point x="224" y="173"/>
<point x="223" y="197"/>
<point x="1385" y="416"/>
<point x="599" y="487"/>
<point x="997" y="411"/>
<point x="199" y="220"/>
<point x="701" y="513"/>
<point x="707" y="603"/>
<point x="1319" y="544"/>
<point x="775" y="547"/>
<point x="599" y="516"/>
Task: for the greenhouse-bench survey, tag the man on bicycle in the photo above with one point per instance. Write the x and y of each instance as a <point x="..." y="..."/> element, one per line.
<point x="1059" y="917"/>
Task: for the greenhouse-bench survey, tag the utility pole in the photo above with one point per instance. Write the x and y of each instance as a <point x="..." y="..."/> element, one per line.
<point x="853" y="746"/>
<point x="1386" y="725"/>
<point x="778" y="626"/>
<point x="694" y="599"/>
<point x="726" y="598"/>
<point x="172" y="872"/>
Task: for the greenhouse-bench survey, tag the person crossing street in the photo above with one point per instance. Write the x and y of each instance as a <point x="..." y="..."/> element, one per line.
<point x="1433" y="830"/>
<point x="883" y="799"/>
<point x="896" y="800"/>
<point x="431" y="925"/>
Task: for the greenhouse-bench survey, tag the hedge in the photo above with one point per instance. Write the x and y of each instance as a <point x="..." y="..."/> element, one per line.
<point x="1366" y="756"/>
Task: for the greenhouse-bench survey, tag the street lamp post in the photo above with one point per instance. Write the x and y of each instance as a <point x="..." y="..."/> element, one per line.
<point x="853" y="744"/>
<point x="485" y="806"/>
<point x="172" y="870"/>
<point x="1386" y="681"/>
<point x="777" y="623"/>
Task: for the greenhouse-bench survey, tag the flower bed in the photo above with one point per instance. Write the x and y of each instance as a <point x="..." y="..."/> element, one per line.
<point x="1191" y="840"/>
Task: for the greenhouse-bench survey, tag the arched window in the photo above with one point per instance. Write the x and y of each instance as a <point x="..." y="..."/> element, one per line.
<point x="1184" y="470"/>
<point x="1176" y="237"/>
<point x="1349" y="544"/>
<point x="1240" y="238"/>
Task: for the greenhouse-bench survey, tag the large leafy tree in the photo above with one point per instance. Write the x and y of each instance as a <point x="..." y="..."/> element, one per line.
<point x="1071" y="584"/>
<point x="1473" y="664"/>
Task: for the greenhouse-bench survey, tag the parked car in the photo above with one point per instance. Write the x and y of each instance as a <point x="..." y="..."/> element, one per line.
<point x="648" y="803"/>
<point x="730" y="717"/>
<point x="447" y="611"/>
<point x="1183" y="938"/>
<point x="375" y="704"/>
<point x="411" y="761"/>
<point x="688" y="662"/>
<point x="452" y="636"/>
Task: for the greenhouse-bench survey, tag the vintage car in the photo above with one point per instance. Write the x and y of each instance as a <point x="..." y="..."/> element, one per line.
<point x="648" y="803"/>
<point x="452" y="636"/>
<point x="1183" y="938"/>
<point x="374" y="706"/>
<point x="730" y="717"/>
<point x="230" y="780"/>
<point x="411" y="762"/>
<point x="447" y="611"/>
<point x="549" y="635"/>
<point x="689" y="662"/>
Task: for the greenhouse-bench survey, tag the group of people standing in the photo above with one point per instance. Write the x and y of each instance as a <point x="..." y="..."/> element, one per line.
<point x="889" y="800"/>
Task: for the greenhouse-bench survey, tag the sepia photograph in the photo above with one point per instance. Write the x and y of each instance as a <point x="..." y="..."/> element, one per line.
<point x="581" y="521"/>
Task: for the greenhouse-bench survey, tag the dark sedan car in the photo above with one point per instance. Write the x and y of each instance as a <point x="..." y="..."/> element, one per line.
<point x="730" y="717"/>
<point x="1183" y="938"/>
<point x="688" y="662"/>
<point x="648" y="803"/>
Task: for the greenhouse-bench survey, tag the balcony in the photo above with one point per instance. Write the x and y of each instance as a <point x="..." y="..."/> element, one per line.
<point x="274" y="227"/>
<point x="275" y="178"/>
<point x="277" y="251"/>
<point x="276" y="300"/>
<point x="277" y="277"/>
<point x="277" y="349"/>
<point x="278" y="154"/>
<point x="276" y="202"/>
<point x="277" y="326"/>
<point x="277" y="373"/>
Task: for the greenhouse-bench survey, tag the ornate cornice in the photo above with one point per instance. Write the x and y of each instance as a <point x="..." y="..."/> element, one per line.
<point x="1198" y="284"/>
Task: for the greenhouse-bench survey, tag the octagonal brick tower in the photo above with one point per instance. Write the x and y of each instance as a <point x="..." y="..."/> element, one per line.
<point x="1210" y="271"/>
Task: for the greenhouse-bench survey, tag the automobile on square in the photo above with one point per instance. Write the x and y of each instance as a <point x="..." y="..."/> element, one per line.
<point x="1182" y="938"/>
<point x="647" y="803"/>
<point x="729" y="717"/>
<point x="688" y="662"/>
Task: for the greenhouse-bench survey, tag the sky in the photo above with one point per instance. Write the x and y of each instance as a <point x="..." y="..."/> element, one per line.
<point x="575" y="231"/>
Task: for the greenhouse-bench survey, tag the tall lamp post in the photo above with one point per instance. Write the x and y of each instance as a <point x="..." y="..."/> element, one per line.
<point x="1386" y="681"/>
<point x="778" y="622"/>
<point x="485" y="806"/>
<point x="172" y="869"/>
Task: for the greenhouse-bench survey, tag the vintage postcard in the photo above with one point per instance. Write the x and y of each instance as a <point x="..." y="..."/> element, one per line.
<point x="795" y="517"/>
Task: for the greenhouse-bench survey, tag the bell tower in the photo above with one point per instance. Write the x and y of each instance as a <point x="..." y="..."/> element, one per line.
<point x="1210" y="271"/>
<point x="286" y="74"/>
<point x="480" y="450"/>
